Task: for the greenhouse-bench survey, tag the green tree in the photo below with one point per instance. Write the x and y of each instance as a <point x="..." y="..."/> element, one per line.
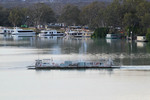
<point x="4" y="13"/>
<point x="148" y="35"/>
<point x="41" y="14"/>
<point x="92" y="15"/>
<point x="70" y="15"/>
<point x="145" y="20"/>
<point x="114" y="14"/>
<point x="100" y="33"/>
<point x="131" y="23"/>
<point x="48" y="15"/>
<point x="16" y="16"/>
<point x="136" y="18"/>
<point x="143" y="13"/>
<point x="130" y="20"/>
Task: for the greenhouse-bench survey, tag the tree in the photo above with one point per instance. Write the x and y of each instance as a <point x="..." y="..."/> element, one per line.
<point x="148" y="35"/>
<point x="48" y="15"/>
<point x="92" y="15"/>
<point x="131" y="24"/>
<point x="41" y="14"/>
<point x="137" y="16"/>
<point x="4" y="13"/>
<point x="100" y="33"/>
<point x="70" y="15"/>
<point x="15" y="16"/>
<point x="143" y="13"/>
<point x="145" y="20"/>
<point x="114" y="14"/>
<point x="130" y="20"/>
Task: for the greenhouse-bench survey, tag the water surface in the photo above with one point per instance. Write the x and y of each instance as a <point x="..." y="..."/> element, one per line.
<point x="131" y="82"/>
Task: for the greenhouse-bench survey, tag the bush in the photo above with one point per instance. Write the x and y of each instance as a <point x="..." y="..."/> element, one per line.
<point x="100" y="33"/>
<point x="148" y="35"/>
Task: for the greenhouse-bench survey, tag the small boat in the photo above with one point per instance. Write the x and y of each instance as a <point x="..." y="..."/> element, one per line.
<point x="25" y="33"/>
<point x="50" y="64"/>
<point x="45" y="33"/>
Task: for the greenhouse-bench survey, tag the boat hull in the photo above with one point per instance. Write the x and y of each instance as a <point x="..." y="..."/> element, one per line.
<point x="24" y="34"/>
<point x="75" y="67"/>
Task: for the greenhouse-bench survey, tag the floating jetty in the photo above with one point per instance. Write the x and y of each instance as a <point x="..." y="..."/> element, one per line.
<point x="50" y="64"/>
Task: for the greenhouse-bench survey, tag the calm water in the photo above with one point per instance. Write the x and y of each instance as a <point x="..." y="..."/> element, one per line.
<point x="131" y="82"/>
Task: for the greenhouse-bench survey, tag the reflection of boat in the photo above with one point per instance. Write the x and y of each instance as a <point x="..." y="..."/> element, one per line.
<point x="50" y="64"/>
<point x="141" y="44"/>
<point x="45" y="33"/>
<point x="108" y="41"/>
<point x="6" y="36"/>
<point x="50" y="37"/>
<point x="76" y="38"/>
<point x="21" y="32"/>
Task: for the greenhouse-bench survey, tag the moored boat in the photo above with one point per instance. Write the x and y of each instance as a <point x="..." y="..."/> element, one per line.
<point x="141" y="39"/>
<point x="45" y="33"/>
<point x="25" y="33"/>
<point x="4" y="30"/>
<point x="78" y="33"/>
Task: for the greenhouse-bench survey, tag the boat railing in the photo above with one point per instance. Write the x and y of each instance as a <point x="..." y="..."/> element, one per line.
<point x="51" y="63"/>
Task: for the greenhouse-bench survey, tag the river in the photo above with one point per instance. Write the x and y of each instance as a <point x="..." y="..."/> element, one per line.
<point x="130" y="82"/>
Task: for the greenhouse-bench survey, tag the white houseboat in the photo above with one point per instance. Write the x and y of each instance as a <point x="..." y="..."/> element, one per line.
<point x="79" y="33"/>
<point x="141" y="38"/>
<point x="4" y="30"/>
<point x="45" y="33"/>
<point x="21" y="32"/>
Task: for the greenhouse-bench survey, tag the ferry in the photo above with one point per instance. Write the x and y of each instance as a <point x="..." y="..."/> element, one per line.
<point x="45" y="33"/>
<point x="50" y="64"/>
<point x="25" y="33"/>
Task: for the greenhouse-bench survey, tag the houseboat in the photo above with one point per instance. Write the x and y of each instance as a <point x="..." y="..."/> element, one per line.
<point x="25" y="33"/>
<point x="141" y="38"/>
<point x="50" y="64"/>
<point x="79" y="33"/>
<point x="5" y="30"/>
<point x="45" y="33"/>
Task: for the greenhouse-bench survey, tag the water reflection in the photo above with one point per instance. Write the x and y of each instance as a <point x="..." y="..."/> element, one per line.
<point x="141" y="44"/>
<point x="63" y="48"/>
<point x="104" y="71"/>
<point x="110" y="70"/>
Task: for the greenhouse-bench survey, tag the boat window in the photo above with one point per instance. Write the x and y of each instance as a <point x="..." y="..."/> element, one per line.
<point x="25" y="31"/>
<point x="79" y="33"/>
<point x="45" y="63"/>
